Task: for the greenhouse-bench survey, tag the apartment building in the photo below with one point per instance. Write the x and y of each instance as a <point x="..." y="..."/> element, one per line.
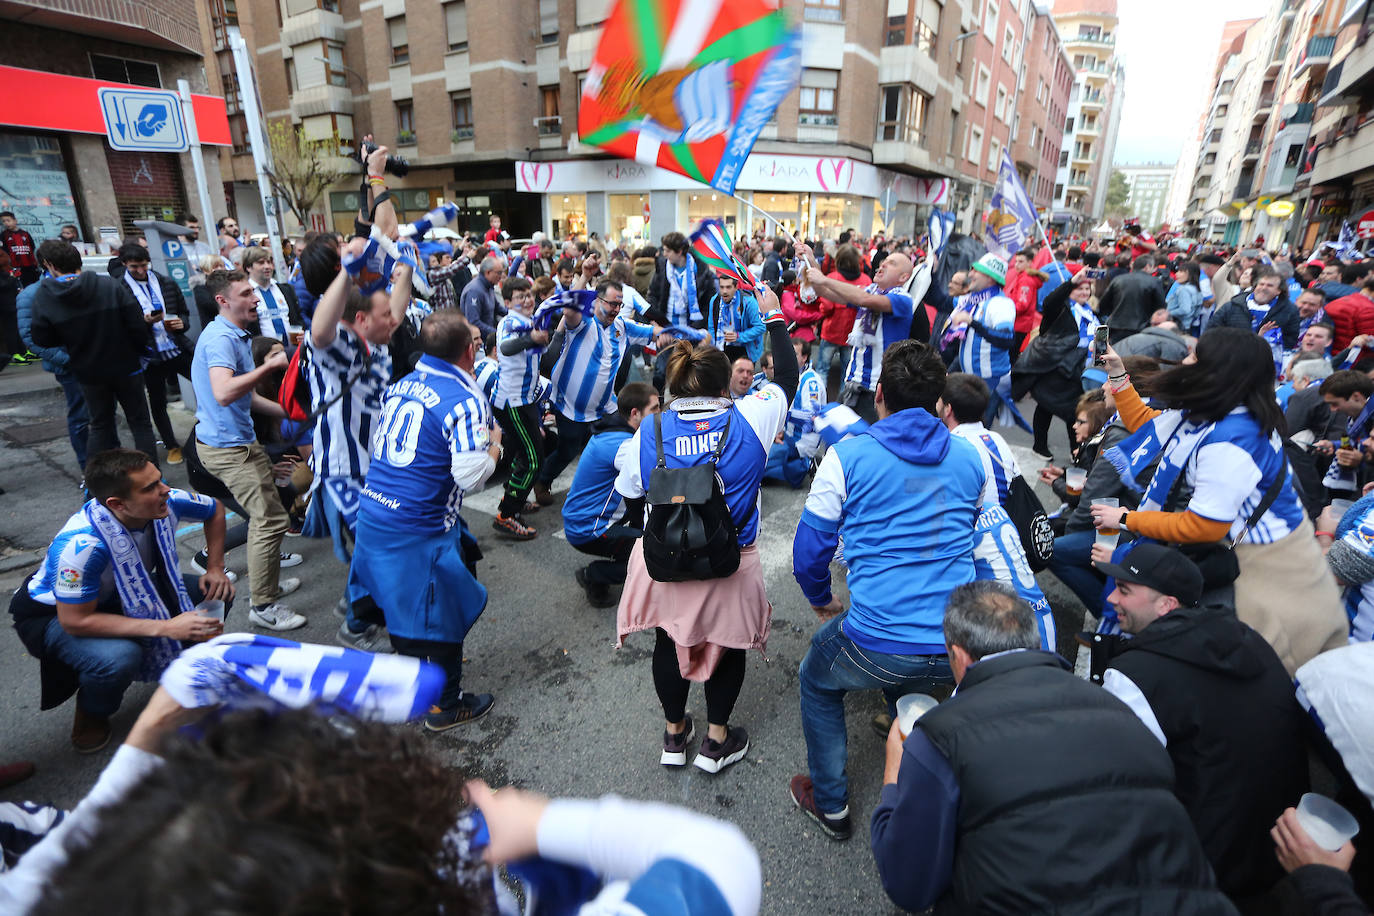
<point x="1038" y="128"/>
<point x="56" y="164"/>
<point x="1088" y="28"/>
<point x="1150" y="185"/>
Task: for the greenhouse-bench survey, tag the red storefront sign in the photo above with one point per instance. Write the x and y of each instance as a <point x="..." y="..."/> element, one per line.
<point x="1364" y="228"/>
<point x="40" y="100"/>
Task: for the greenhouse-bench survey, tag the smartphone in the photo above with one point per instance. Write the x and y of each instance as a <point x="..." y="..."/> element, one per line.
<point x="1095" y="273"/>
<point x="155" y="314"/>
<point x="1099" y="345"/>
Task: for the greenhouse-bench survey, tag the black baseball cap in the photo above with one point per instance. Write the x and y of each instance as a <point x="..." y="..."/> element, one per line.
<point x="1161" y="568"/>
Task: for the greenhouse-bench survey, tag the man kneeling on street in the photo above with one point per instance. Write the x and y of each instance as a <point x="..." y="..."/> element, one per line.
<point x="110" y="605"/>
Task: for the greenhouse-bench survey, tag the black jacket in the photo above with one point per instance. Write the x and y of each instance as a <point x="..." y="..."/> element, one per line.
<point x="1066" y="801"/>
<point x="98" y="320"/>
<point x="1236" y="314"/>
<point x="658" y="292"/>
<point x="174" y="305"/>
<point x="1129" y="302"/>
<point x="1235" y="732"/>
<point x="293" y="309"/>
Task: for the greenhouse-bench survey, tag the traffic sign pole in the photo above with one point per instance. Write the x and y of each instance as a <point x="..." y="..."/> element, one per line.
<point x="262" y="155"/>
<point x="207" y="211"/>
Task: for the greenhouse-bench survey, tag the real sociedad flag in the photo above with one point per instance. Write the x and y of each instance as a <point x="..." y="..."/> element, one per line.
<point x="835" y="422"/>
<point x="1345" y="244"/>
<point x="547" y="314"/>
<point x="940" y="227"/>
<point x="1011" y="220"/>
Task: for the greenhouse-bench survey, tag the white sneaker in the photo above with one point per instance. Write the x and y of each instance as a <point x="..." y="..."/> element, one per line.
<point x="276" y="616"/>
<point x="373" y="639"/>
<point x="289" y="560"/>
<point x="287" y="586"/>
<point x="198" y="561"/>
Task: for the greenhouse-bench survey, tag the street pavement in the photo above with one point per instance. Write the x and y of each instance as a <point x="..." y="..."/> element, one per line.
<point x="574" y="716"/>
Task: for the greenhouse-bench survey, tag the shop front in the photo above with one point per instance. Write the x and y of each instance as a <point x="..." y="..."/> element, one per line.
<point x="629" y="204"/>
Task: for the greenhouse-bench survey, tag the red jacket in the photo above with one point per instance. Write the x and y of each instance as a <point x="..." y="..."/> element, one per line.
<point x="839" y="318"/>
<point x="806" y="317"/>
<point x="1352" y="316"/>
<point x="1024" y="290"/>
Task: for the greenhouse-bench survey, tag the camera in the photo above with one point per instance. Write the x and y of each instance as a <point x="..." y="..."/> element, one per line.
<point x="396" y="165"/>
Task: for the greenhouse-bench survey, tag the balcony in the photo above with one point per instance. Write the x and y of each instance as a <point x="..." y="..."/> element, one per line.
<point x="1296" y="114"/>
<point x="1095" y="99"/>
<point x="1083" y="157"/>
<point x="1252" y="150"/>
<point x="1097" y="74"/>
<point x="908" y="64"/>
<point x="1344" y="154"/>
<point x="1101" y="41"/>
<point x="907" y="153"/>
<point x="323" y="99"/>
<point x="549" y="127"/>
<point x="1243" y="187"/>
<point x="1263" y="107"/>
<point x="165" y="26"/>
<point x="1317" y="54"/>
<point x="1350" y="75"/>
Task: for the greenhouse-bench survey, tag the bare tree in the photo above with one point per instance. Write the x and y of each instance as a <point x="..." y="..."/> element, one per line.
<point x="301" y="171"/>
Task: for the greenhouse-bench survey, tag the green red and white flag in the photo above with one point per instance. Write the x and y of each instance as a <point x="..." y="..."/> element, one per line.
<point x="687" y="85"/>
<point x="711" y="245"/>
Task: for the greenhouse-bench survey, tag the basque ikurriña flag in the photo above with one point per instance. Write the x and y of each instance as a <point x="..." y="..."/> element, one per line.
<point x="687" y="85"/>
<point x="711" y="245"/>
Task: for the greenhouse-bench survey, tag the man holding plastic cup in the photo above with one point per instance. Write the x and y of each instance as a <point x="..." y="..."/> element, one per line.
<point x="1217" y="697"/>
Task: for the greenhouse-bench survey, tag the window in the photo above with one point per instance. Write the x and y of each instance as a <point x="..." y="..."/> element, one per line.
<point x="819" y="89"/>
<point x="990" y="21"/>
<point x="980" y="94"/>
<point x="1039" y="90"/>
<point x="975" y="144"/>
<point x="233" y="99"/>
<point x="223" y="14"/>
<point x="999" y="111"/>
<point x="824" y="11"/>
<point x="1008" y="44"/>
<point x="550" y="125"/>
<point x="994" y="154"/>
<point x="122" y="70"/>
<point x="926" y="26"/>
<point x="548" y="21"/>
<point x="461" y="104"/>
<point x="334" y="69"/>
<point x="1059" y="192"/>
<point x="1090" y="32"/>
<point x="1215" y="137"/>
<point x="953" y="133"/>
<point x="896" y="31"/>
<point x="890" y="113"/>
<point x="456" y="19"/>
<point x="400" y="48"/>
<point x="1063" y="158"/>
<point x="902" y="114"/>
<point x="1221" y="110"/>
<point x="1068" y="126"/>
<point x="916" y="118"/>
<point x="405" y="123"/>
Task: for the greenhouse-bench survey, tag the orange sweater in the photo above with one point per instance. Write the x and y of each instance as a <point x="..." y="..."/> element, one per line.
<point x="1184" y="527"/>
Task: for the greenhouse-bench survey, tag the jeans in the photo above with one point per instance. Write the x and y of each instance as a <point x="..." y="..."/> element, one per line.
<point x="447" y="655"/>
<point x="78" y="420"/>
<point x="1072" y="563"/>
<point x="834" y="666"/>
<point x="572" y="436"/>
<point x="825" y="355"/>
<point x="106" y="665"/>
<point x="129" y="393"/>
<point x="615" y="545"/>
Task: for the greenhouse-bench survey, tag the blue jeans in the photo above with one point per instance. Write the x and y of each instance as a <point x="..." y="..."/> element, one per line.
<point x="1072" y="563"/>
<point x="78" y="420"/>
<point x="106" y="665"/>
<point x="834" y="666"/>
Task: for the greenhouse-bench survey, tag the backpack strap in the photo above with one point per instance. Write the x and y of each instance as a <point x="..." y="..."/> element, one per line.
<point x="658" y="440"/>
<point x="724" y="435"/>
<point x="1270" y="494"/>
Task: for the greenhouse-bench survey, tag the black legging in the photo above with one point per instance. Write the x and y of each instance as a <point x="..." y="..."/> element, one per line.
<point x="722" y="688"/>
<point x="156" y="377"/>
<point x="1041" y="421"/>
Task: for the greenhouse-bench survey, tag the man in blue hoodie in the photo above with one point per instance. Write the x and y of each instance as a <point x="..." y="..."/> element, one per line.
<point x="905" y="496"/>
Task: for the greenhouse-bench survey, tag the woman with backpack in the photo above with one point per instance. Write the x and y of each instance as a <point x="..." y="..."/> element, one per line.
<point x="706" y="603"/>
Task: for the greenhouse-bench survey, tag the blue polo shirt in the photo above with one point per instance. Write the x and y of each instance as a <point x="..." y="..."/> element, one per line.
<point x="222" y="343"/>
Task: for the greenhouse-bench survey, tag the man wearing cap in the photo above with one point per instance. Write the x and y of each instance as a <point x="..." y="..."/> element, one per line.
<point x="985" y="319"/>
<point x="1218" y="698"/>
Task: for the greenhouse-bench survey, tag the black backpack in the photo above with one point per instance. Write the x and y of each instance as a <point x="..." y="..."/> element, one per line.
<point x="1027" y="513"/>
<point x="689" y="534"/>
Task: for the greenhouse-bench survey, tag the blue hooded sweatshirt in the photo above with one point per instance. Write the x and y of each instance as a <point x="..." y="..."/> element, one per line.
<point x="904" y="495"/>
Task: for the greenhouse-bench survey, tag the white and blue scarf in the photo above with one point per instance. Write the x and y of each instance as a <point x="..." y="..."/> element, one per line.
<point x="1337" y="477"/>
<point x="138" y="594"/>
<point x="273" y="314"/>
<point x="682" y="296"/>
<point x="1086" y="321"/>
<point x="1273" y="336"/>
<point x="149" y="296"/>
<point x="248" y="671"/>
<point x="973" y="304"/>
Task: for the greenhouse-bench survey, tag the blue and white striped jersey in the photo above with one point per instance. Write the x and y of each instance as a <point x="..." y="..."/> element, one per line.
<point x="998" y="461"/>
<point x="800" y="429"/>
<point x="584" y="376"/>
<point x="517" y="381"/>
<point x="343" y="434"/>
<point x="431" y="448"/>
<point x="77" y="567"/>
<point x="873" y="333"/>
<point x="998" y="554"/>
<point x="998" y="314"/>
<point x="486" y="370"/>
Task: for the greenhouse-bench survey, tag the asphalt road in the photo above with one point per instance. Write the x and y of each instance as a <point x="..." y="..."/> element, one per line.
<point x="573" y="716"/>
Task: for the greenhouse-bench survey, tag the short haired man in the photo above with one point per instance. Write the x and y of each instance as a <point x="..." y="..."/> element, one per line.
<point x="225" y="382"/>
<point x="885" y="313"/>
<point x="907" y="496"/>
<point x="99" y="323"/>
<point x="1131" y="299"/>
<point x="1217" y="697"/>
<point x="414" y="554"/>
<point x="984" y="319"/>
<point x="741" y="377"/>
<point x="1311" y="305"/>
<point x="227" y="230"/>
<point x="22" y="250"/>
<point x="1348" y="393"/>
<point x="1024" y="751"/>
<point x="583" y="377"/>
<point x="597" y="520"/>
<point x="1263" y="309"/>
<point x="278" y="310"/>
<point x="478" y="299"/>
<point x="997" y="550"/>
<point x="516" y="403"/>
<point x="169" y="352"/>
<point x="110" y="604"/>
<point x="196" y="247"/>
<point x="734" y="322"/>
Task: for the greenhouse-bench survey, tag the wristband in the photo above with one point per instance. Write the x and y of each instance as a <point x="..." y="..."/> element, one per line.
<point x="775" y="315"/>
<point x="1329" y="534"/>
<point x="1121" y="385"/>
<point x="377" y="177"/>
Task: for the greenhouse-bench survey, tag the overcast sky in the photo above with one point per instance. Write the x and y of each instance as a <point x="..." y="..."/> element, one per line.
<point x="1169" y="49"/>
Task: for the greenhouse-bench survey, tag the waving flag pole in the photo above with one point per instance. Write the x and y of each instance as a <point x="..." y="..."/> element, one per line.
<point x="688" y="85"/>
